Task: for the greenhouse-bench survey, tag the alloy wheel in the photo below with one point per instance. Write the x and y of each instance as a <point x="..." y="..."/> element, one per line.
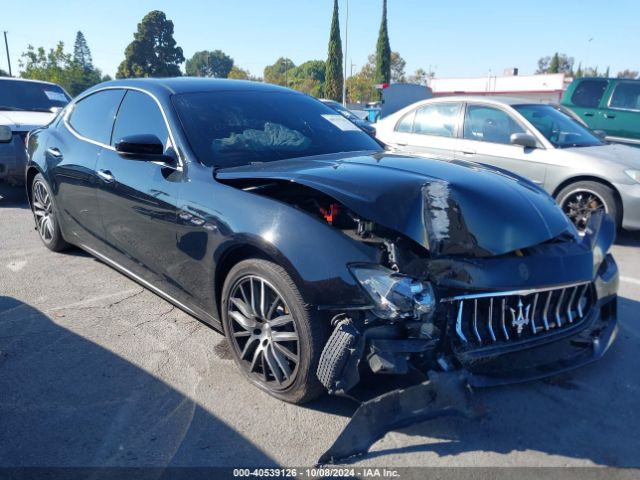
<point x="263" y="332"/>
<point x="43" y="211"/>
<point x="580" y="205"/>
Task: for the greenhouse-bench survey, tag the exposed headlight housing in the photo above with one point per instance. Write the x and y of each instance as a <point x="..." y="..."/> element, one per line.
<point x="634" y="174"/>
<point x="395" y="295"/>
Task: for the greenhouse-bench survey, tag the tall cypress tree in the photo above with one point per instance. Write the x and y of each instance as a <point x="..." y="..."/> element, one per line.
<point x="383" y="50"/>
<point x="334" y="79"/>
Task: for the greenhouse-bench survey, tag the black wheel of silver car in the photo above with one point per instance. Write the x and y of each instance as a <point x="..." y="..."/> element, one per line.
<point x="272" y="336"/>
<point x="582" y="199"/>
<point x="43" y="207"/>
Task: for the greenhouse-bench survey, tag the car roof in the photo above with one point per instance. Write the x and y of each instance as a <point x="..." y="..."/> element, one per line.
<point x="493" y="99"/>
<point x="176" y="85"/>
<point x="28" y="80"/>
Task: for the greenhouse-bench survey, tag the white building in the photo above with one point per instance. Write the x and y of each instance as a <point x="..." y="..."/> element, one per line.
<point x="539" y="88"/>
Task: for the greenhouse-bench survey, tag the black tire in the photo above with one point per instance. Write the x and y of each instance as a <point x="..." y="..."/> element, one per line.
<point x="259" y="335"/>
<point x="46" y="216"/>
<point x="579" y="200"/>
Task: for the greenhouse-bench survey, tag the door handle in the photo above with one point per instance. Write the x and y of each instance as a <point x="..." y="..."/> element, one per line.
<point x="106" y="176"/>
<point x="588" y="114"/>
<point x="54" y="152"/>
<point x="609" y="115"/>
<point x="467" y="152"/>
<point x="401" y="144"/>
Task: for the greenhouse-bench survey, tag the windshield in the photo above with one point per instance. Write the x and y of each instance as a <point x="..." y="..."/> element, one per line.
<point x="561" y="130"/>
<point x="19" y="95"/>
<point x="233" y="128"/>
<point x="344" y="111"/>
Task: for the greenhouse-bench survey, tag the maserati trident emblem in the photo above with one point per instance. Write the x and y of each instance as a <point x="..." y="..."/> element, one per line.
<point x="522" y="318"/>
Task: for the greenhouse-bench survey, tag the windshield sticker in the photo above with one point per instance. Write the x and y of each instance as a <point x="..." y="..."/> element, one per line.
<point x="341" y="122"/>
<point x="55" y="96"/>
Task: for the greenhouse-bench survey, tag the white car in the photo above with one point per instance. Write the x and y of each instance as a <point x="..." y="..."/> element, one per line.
<point x="24" y="105"/>
<point x="581" y="171"/>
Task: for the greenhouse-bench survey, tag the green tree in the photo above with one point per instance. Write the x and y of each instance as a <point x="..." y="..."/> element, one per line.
<point x="238" y="73"/>
<point x="557" y="63"/>
<point x="579" y="73"/>
<point x="209" y="64"/>
<point x="309" y="78"/>
<point x="360" y="87"/>
<point x="81" y="52"/>
<point x="397" y="68"/>
<point x="278" y="72"/>
<point x="419" y="76"/>
<point x="383" y="50"/>
<point x="334" y="79"/>
<point x="153" y="51"/>
<point x="3" y="73"/>
<point x="606" y="73"/>
<point x="628" y="74"/>
<point x="554" y="65"/>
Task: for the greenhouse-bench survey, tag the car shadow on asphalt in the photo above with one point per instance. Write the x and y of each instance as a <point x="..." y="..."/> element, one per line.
<point x="589" y="413"/>
<point x="67" y="401"/>
<point x="628" y="239"/>
<point x="13" y="196"/>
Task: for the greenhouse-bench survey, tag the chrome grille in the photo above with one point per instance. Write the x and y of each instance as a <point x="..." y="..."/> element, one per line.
<point x="484" y="319"/>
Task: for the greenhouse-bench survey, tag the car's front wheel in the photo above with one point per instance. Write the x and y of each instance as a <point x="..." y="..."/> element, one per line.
<point x="273" y="335"/>
<point x="580" y="200"/>
<point x="44" y="212"/>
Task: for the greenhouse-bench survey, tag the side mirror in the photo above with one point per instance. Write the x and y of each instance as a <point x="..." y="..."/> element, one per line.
<point x="143" y="146"/>
<point x="524" y="139"/>
<point x="5" y="134"/>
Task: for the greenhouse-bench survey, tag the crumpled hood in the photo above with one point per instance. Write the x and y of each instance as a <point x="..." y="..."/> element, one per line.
<point x="615" y="153"/>
<point x="450" y="208"/>
<point x="25" y="121"/>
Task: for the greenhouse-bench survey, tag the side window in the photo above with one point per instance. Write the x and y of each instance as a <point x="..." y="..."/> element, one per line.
<point x="139" y="114"/>
<point x="437" y="119"/>
<point x="589" y="93"/>
<point x="626" y="96"/>
<point x="405" y="125"/>
<point x="488" y="124"/>
<point x="92" y="117"/>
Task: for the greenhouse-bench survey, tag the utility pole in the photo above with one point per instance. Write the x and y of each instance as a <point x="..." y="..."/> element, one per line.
<point x="6" y="46"/>
<point x="346" y="51"/>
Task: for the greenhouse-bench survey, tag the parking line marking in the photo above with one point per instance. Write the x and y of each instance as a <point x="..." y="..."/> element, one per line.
<point x="635" y="281"/>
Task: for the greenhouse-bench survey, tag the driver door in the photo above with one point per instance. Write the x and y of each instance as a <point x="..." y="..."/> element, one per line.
<point x="137" y="197"/>
<point x="486" y="138"/>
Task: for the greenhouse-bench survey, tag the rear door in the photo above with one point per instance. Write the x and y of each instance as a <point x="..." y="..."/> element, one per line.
<point x="429" y="130"/>
<point x="486" y="138"/>
<point x="72" y="150"/>
<point x="620" y="117"/>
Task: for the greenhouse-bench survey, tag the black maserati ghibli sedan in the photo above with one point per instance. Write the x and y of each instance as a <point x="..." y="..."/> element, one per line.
<point x="318" y="253"/>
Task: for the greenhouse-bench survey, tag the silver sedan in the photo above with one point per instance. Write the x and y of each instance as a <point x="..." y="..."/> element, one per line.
<point x="535" y="140"/>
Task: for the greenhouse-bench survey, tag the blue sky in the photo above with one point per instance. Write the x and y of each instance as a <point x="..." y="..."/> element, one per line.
<point x="455" y="38"/>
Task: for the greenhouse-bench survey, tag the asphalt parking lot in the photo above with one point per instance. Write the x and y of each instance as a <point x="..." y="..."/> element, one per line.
<point x="98" y="371"/>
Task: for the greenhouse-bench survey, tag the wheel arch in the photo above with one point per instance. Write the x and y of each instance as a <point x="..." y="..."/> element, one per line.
<point x="32" y="171"/>
<point x="591" y="178"/>
<point x="236" y="253"/>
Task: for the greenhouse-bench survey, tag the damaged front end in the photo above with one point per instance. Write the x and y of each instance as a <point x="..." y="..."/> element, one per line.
<point x="462" y="287"/>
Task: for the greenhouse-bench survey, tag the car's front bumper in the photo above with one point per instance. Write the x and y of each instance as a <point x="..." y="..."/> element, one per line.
<point x="13" y="159"/>
<point x="630" y="196"/>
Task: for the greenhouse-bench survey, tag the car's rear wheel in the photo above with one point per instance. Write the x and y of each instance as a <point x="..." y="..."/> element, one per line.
<point x="44" y="211"/>
<point x="273" y="336"/>
<point x="580" y="200"/>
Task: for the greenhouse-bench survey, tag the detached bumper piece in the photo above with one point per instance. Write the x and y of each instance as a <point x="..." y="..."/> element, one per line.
<point x="444" y="394"/>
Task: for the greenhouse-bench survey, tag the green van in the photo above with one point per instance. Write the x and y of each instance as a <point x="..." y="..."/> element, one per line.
<point x="611" y="105"/>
